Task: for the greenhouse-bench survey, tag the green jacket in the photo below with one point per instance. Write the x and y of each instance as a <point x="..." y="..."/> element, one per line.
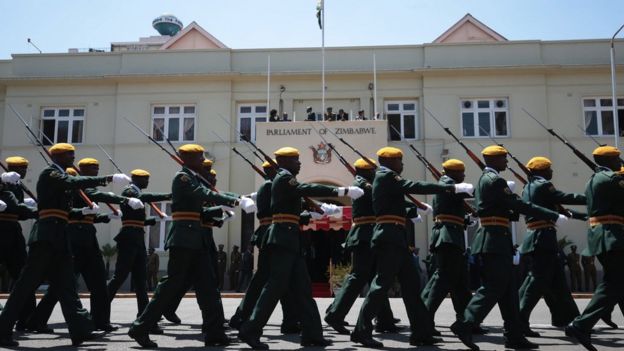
<point x="493" y="198"/>
<point x="361" y="234"/>
<point x="389" y="191"/>
<point x="134" y="235"/>
<point x="444" y="232"/>
<point x="605" y="191"/>
<point x="263" y="203"/>
<point x="286" y="194"/>
<point x="54" y="190"/>
<point x="16" y="210"/>
<point x="211" y="217"/>
<point x="188" y="196"/>
<point x="543" y="193"/>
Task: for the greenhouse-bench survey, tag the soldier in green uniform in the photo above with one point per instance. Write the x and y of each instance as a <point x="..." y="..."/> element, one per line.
<point x="389" y="243"/>
<point x="547" y="274"/>
<point x="496" y="204"/>
<point x="358" y="242"/>
<point x="189" y="253"/>
<point x="12" y="242"/>
<point x="50" y="254"/>
<point x="88" y="260"/>
<point x="131" y="250"/>
<point x="605" y="240"/>
<point x="287" y="266"/>
<point x="448" y="247"/>
<point x="290" y="318"/>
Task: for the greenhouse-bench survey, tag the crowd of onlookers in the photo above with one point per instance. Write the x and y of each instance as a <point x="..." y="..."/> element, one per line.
<point x="329" y="115"/>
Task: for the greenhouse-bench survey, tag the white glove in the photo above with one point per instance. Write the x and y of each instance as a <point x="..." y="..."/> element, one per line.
<point x="252" y="196"/>
<point x="464" y="188"/>
<point x="562" y="219"/>
<point x="516" y="259"/>
<point x="248" y="205"/>
<point x="512" y="185"/>
<point x="11" y="177"/>
<point x="112" y="215"/>
<point x="352" y="191"/>
<point x="87" y="210"/>
<point x="135" y="203"/>
<point x="30" y="202"/>
<point x="330" y="209"/>
<point x="229" y="215"/>
<point x="425" y="212"/>
<point x="316" y="215"/>
<point x="166" y="218"/>
<point x="417" y="219"/>
<point x="3" y="206"/>
<point x="227" y="208"/>
<point x="121" y="179"/>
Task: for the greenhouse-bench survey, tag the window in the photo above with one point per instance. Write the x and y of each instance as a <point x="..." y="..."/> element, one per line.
<point x="401" y="117"/>
<point x="598" y="116"/>
<point x="483" y="117"/>
<point x="62" y="124"/>
<point x="248" y="116"/>
<point x="177" y="122"/>
<point x="158" y="232"/>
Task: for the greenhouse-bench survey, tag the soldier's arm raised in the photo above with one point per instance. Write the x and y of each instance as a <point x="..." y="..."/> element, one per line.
<point x="515" y="203"/>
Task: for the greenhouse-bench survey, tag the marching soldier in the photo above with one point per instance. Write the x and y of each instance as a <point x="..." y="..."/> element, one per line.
<point x="88" y="260"/>
<point x="50" y="255"/>
<point x="188" y="253"/>
<point x="358" y="241"/>
<point x="287" y="266"/>
<point x="496" y="204"/>
<point x="12" y="243"/>
<point x="547" y="275"/>
<point x="391" y="248"/>
<point x="605" y="240"/>
<point x="131" y="251"/>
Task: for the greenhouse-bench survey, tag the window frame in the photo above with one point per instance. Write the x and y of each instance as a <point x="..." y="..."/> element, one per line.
<point x="402" y="113"/>
<point x="162" y="224"/>
<point x="598" y="108"/>
<point x="491" y="110"/>
<point x="167" y="116"/>
<point x="254" y="116"/>
<point x="70" y="123"/>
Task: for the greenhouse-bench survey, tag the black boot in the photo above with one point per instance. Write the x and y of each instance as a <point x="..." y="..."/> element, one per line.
<point x="142" y="339"/>
<point x="464" y="333"/>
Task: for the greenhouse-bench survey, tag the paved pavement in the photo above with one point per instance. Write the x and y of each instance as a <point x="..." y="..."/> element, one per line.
<point x="187" y="335"/>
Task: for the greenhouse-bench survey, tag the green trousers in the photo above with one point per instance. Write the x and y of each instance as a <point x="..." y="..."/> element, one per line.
<point x="450" y="276"/>
<point x="547" y="279"/>
<point x="608" y="293"/>
<point x="287" y="273"/>
<point x="395" y="262"/>
<point x="245" y="308"/>
<point x="54" y="262"/>
<point x="362" y="273"/>
<point x="184" y="265"/>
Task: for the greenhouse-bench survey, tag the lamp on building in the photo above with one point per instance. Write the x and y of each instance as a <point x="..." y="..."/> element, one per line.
<point x="33" y="44"/>
<point x="614" y="104"/>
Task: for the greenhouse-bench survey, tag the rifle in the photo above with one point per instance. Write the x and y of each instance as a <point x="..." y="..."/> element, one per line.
<point x="596" y="141"/>
<point x="253" y="166"/>
<point x="415" y="201"/>
<point x="39" y="151"/>
<point x="311" y="204"/>
<point x="40" y="144"/>
<point x="578" y="154"/>
<point x="471" y="154"/>
<point x="154" y="207"/>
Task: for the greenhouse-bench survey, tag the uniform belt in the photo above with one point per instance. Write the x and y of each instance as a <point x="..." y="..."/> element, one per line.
<point x="265" y="220"/>
<point x="206" y="225"/>
<point x="364" y="220"/>
<point x="7" y="217"/>
<point x="89" y="219"/>
<point x="540" y="225"/>
<point x="285" y="218"/>
<point x="390" y="219"/>
<point x="446" y="218"/>
<point x="608" y="219"/>
<point x="131" y="223"/>
<point x="64" y="215"/>
<point x="494" y="221"/>
<point x="185" y="216"/>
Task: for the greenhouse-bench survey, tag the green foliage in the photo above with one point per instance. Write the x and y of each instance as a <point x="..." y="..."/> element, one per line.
<point x="109" y="251"/>
<point x="338" y="274"/>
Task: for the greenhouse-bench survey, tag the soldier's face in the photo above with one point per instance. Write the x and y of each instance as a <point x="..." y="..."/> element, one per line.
<point x="21" y="170"/>
<point x="499" y="163"/>
<point x="64" y="159"/>
<point x="193" y="160"/>
<point x="457" y="176"/>
<point x="140" y="182"/>
<point x="90" y="170"/>
<point x="270" y="172"/>
<point x="291" y="164"/>
<point x="368" y="174"/>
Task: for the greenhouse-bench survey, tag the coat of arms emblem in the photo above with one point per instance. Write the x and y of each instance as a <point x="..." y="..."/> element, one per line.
<point x="321" y="153"/>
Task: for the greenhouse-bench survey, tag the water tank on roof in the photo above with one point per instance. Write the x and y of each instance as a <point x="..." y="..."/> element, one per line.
<point x="167" y="25"/>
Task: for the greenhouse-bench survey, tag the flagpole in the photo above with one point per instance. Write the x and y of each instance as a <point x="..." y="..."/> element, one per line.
<point x="268" y="87"/>
<point x="375" y="84"/>
<point x="322" y="58"/>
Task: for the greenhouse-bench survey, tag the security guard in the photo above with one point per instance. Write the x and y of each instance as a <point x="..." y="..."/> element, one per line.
<point x="389" y="243"/>
<point x="290" y="318"/>
<point x="131" y="251"/>
<point x="605" y="240"/>
<point x="496" y="204"/>
<point x="188" y="252"/>
<point x="358" y="242"/>
<point x="12" y="243"/>
<point x="546" y="274"/>
<point x="287" y="266"/>
<point x="50" y="255"/>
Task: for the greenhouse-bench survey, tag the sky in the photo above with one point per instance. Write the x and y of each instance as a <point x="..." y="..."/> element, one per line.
<point x="55" y="26"/>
